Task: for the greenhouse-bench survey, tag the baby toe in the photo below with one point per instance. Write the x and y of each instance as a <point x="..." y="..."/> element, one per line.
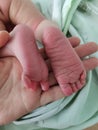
<point x="74" y="87"/>
<point x="28" y="83"/>
<point x="67" y="89"/>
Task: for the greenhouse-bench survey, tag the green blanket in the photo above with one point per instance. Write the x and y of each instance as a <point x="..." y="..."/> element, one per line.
<point x="75" y="18"/>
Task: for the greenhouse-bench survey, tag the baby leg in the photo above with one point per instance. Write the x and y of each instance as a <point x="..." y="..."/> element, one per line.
<point x="22" y="45"/>
<point x="68" y="68"/>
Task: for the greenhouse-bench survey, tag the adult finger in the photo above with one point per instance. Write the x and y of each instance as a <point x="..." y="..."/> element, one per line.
<point x="4" y="38"/>
<point x="81" y="50"/>
<point x="75" y="41"/>
<point x="54" y="93"/>
<point x="90" y="63"/>
<point x="86" y="49"/>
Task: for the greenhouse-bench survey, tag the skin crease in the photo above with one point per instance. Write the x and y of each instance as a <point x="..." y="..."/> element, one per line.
<point x="23" y="46"/>
<point x="70" y="79"/>
<point x="67" y="66"/>
<point x="12" y="89"/>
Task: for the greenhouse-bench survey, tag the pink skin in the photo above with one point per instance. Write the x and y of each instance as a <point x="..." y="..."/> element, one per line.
<point x="67" y="66"/>
<point x="22" y="45"/>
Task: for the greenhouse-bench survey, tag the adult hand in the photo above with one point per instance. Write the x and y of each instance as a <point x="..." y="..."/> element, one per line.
<point x="16" y="100"/>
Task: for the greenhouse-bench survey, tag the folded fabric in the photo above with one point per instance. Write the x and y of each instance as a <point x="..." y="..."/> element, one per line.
<point x="76" y="18"/>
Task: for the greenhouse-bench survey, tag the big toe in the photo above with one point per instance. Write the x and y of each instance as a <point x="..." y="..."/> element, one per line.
<point x="28" y="83"/>
<point x="67" y="90"/>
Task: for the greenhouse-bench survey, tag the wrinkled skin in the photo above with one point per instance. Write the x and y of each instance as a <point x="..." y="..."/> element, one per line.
<point x="13" y="91"/>
<point x="23" y="46"/>
<point x="67" y="66"/>
<point x="70" y="75"/>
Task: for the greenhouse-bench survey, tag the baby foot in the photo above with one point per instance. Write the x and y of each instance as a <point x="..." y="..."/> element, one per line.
<point x="67" y="66"/>
<point x="23" y="46"/>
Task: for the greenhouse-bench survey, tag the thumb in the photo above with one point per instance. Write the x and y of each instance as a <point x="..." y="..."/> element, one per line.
<point x="23" y="47"/>
<point x="4" y="38"/>
<point x="2" y="26"/>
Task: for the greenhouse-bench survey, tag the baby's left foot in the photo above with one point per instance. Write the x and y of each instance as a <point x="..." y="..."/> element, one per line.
<point x="68" y="68"/>
<point x="22" y="45"/>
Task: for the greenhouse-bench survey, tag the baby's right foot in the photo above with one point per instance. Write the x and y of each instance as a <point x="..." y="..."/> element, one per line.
<point x="68" y="68"/>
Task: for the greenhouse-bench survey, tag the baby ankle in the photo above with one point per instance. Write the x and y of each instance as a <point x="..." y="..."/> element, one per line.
<point x="42" y="26"/>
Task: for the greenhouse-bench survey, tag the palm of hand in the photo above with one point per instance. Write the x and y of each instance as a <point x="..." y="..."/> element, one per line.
<point x="15" y="99"/>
